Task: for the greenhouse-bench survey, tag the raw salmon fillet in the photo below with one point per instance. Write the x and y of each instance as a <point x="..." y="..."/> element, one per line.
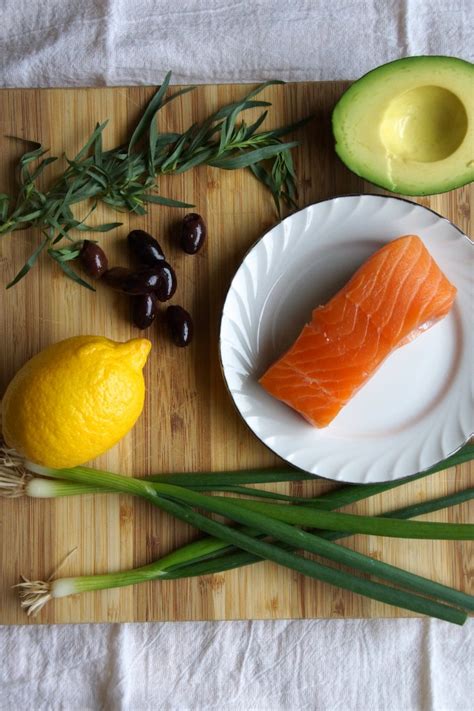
<point x="396" y="294"/>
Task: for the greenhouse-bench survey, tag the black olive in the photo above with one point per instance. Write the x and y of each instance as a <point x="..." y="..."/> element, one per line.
<point x="144" y="310"/>
<point x="193" y="233"/>
<point x="180" y="325"/>
<point x="145" y="248"/>
<point x="167" y="283"/>
<point x="116" y="276"/>
<point x="142" y="281"/>
<point x="93" y="259"/>
<point x="160" y="280"/>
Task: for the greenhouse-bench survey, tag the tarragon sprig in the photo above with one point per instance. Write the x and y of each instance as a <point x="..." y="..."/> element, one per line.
<point x="125" y="177"/>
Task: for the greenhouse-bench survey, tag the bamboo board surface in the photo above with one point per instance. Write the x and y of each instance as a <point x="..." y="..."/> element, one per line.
<point x="189" y="422"/>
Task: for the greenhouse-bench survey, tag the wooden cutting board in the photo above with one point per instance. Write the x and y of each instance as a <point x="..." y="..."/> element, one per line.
<point x="189" y="422"/>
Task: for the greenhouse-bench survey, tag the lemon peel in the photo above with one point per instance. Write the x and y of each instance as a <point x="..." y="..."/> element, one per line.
<point x="75" y="399"/>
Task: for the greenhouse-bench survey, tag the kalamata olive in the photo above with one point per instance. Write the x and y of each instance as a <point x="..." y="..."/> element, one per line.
<point x="145" y="248"/>
<point x="180" y="325"/>
<point x="144" y="310"/>
<point x="159" y="280"/>
<point x="116" y="276"/>
<point x="167" y="283"/>
<point x="193" y="233"/>
<point x="93" y="259"/>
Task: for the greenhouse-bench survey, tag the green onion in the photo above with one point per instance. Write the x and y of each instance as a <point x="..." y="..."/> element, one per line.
<point x="253" y="509"/>
<point x="263" y="549"/>
<point x="176" y="496"/>
<point x="425" y="507"/>
<point x="202" y="558"/>
<point x="374" y="526"/>
<point x="405" y="512"/>
<point x="41" y="488"/>
<point x="284" y="512"/>
<point x="232" y="482"/>
<point x="212" y="554"/>
<point x="193" y="480"/>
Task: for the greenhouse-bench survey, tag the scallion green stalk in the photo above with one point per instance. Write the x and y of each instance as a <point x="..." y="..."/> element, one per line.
<point x="232" y="482"/>
<point x="265" y="550"/>
<point x="190" y="480"/>
<point x="171" y="499"/>
<point x="213" y="554"/>
<point x="405" y="512"/>
<point x="355" y="523"/>
<point x="210" y="555"/>
<point x="242" y="511"/>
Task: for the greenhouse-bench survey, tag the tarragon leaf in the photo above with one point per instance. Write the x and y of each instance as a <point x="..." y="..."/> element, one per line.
<point x="175" y="154"/>
<point x="152" y="140"/>
<point x="92" y="139"/>
<point x="106" y="227"/>
<point x="149" y="114"/>
<point x="169" y="202"/>
<point x="65" y="254"/>
<point x="4" y="203"/>
<point x="29" y="217"/>
<point x="98" y="157"/>
<point x="250" y="157"/>
<point x="39" y="169"/>
<point x="198" y="159"/>
<point x="122" y="177"/>
<point x="254" y="126"/>
<point x="73" y="275"/>
<point x="227" y="110"/>
<point x="28" y="264"/>
<point x="261" y="87"/>
<point x="277" y="132"/>
<point x="184" y="90"/>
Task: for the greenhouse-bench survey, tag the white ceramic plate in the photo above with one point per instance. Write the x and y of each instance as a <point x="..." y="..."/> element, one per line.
<point x="417" y="408"/>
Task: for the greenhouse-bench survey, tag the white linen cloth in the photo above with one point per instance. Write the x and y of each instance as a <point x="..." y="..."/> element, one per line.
<point x="95" y="42"/>
<point x="333" y="665"/>
<point x="352" y="665"/>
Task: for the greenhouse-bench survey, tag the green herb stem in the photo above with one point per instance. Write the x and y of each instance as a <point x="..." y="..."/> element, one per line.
<point x="124" y="177"/>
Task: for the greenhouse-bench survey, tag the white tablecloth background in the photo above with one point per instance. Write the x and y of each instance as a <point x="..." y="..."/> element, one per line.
<point x="351" y="665"/>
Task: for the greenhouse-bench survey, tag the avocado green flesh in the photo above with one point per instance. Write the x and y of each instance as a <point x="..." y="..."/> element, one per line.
<point x="408" y="126"/>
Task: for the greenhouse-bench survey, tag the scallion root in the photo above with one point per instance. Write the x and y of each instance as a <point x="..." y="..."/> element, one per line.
<point x="13" y="473"/>
<point x="34" y="594"/>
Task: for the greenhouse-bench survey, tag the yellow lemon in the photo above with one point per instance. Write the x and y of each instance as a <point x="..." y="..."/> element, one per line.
<point x="75" y="400"/>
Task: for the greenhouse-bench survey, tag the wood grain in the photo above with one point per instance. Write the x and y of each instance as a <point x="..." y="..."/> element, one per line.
<point x="189" y="422"/>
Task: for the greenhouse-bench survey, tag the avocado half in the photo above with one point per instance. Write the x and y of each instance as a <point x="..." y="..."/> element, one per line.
<point x="408" y="126"/>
